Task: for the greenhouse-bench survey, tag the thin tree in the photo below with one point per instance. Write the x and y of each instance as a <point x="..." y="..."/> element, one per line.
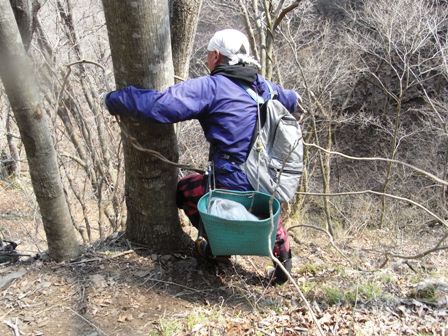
<point x="261" y="24"/>
<point x="21" y="89"/>
<point x="184" y="16"/>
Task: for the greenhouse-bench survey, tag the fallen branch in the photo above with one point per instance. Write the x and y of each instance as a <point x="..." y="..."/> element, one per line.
<point x="278" y="263"/>
<point x="14" y="254"/>
<point x="14" y="327"/>
<point x="172" y="283"/>
<point x="87" y="321"/>
<point x="83" y="261"/>
<point x="330" y="237"/>
<point x="302" y="296"/>
<point x="116" y="255"/>
<point x="6" y="314"/>
<point x="101" y="258"/>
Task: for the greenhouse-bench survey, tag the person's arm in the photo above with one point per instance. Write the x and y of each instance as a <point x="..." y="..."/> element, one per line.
<point x="177" y="103"/>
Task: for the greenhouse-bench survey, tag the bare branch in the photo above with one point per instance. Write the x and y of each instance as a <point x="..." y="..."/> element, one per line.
<point x="425" y="253"/>
<point x="249" y="29"/>
<point x="444" y="222"/>
<point x="421" y="171"/>
<point x="388" y="255"/>
<point x="78" y="160"/>
<point x="283" y="13"/>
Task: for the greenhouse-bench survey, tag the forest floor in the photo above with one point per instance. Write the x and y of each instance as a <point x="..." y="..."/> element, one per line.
<point x="116" y="288"/>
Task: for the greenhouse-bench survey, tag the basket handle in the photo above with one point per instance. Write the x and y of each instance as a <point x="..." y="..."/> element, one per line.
<point x="210" y="174"/>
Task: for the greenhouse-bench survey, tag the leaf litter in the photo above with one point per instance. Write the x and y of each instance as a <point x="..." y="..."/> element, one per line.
<point x="112" y="290"/>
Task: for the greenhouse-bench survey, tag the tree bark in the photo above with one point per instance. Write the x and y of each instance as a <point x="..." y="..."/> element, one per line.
<point x="25" y="12"/>
<point x="184" y="16"/>
<point x="139" y="36"/>
<point x="13" y="151"/>
<point x="21" y="89"/>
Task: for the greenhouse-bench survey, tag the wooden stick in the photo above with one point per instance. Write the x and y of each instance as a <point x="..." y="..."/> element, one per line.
<point x="14" y="327"/>
<point x="86" y="320"/>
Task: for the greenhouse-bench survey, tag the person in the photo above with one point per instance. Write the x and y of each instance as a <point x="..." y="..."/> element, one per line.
<point x="227" y="115"/>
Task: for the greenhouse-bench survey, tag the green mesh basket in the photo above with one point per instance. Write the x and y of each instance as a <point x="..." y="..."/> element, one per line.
<point x="240" y="237"/>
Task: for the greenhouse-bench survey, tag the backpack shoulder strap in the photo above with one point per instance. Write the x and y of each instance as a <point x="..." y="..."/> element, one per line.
<point x="272" y="92"/>
<point x="258" y="99"/>
<point x="261" y="114"/>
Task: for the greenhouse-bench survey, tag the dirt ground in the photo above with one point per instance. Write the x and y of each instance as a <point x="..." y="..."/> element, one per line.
<point x="117" y="288"/>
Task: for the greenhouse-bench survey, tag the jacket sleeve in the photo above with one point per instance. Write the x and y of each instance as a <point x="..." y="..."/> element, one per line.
<point x="289" y="98"/>
<point x="179" y="102"/>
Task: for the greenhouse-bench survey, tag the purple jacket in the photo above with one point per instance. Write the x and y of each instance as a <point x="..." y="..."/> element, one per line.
<point x="224" y="109"/>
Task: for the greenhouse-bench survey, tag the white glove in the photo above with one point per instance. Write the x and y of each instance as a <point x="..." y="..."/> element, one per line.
<point x="299" y="98"/>
<point x="298" y="109"/>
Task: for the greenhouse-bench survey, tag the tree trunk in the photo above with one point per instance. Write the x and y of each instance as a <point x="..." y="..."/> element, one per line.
<point x="13" y="151"/>
<point x="139" y="35"/>
<point x="25" y="12"/>
<point x="184" y="19"/>
<point x="269" y="39"/>
<point x="21" y="88"/>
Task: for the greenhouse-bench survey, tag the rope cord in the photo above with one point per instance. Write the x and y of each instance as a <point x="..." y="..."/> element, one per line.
<point x="153" y="152"/>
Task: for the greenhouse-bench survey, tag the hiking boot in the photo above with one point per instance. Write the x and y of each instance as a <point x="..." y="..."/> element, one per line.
<point x="202" y="248"/>
<point x="279" y="277"/>
<point x="203" y="251"/>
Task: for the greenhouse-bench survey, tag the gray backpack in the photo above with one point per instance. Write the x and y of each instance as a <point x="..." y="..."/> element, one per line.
<point x="275" y="160"/>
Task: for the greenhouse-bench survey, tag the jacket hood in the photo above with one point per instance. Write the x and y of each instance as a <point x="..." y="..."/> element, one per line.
<point x="240" y="72"/>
